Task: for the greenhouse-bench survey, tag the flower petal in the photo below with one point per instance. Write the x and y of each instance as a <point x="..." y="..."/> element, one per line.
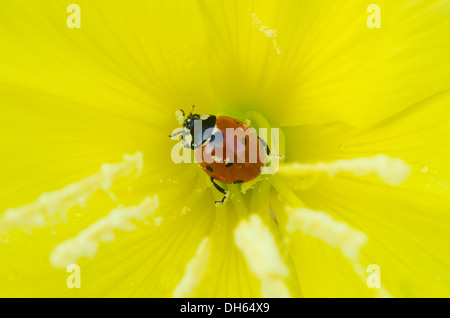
<point x="332" y="67"/>
<point x="407" y="225"/>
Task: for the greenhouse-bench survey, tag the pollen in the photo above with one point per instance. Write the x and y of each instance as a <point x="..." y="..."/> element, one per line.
<point x="272" y="34"/>
<point x="263" y="257"/>
<point x="195" y="270"/>
<point x="52" y="207"/>
<point x="250" y="184"/>
<point x="86" y="243"/>
<point x="180" y="117"/>
<point x="393" y="171"/>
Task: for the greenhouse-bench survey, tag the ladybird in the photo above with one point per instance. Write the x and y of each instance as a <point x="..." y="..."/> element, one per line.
<point x="233" y="160"/>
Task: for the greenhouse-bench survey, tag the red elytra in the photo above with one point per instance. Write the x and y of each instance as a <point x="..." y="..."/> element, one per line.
<point x="240" y="169"/>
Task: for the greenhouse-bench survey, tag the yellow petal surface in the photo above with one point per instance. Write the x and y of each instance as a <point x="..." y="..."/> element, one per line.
<point x="75" y="99"/>
<point x="408" y="225"/>
<point x="327" y="64"/>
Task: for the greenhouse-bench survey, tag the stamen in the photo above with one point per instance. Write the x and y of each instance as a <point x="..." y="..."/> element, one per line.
<point x="322" y="226"/>
<point x="258" y="245"/>
<point x="195" y="270"/>
<point x="51" y="208"/>
<point x="268" y="32"/>
<point x="393" y="171"/>
<point x="85" y="244"/>
<point x="336" y="234"/>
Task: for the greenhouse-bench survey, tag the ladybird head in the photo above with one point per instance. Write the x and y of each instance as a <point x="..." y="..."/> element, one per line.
<point x="186" y="121"/>
<point x="190" y="140"/>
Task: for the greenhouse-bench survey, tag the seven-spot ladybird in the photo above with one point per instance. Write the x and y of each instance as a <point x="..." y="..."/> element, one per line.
<point x="246" y="153"/>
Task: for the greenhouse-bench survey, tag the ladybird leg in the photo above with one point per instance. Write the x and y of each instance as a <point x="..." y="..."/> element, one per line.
<point x="221" y="190"/>
<point x="265" y="145"/>
<point x="176" y="134"/>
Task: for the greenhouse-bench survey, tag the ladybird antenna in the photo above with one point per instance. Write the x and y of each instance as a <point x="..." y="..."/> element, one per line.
<point x="193" y="106"/>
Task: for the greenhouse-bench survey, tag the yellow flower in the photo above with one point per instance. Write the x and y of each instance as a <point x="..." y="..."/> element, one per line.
<point x="86" y="170"/>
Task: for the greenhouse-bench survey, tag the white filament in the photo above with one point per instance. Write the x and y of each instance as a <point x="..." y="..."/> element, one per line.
<point x="86" y="243"/>
<point x="195" y="270"/>
<point x="50" y="208"/>
<point x="393" y="171"/>
<point x="263" y="257"/>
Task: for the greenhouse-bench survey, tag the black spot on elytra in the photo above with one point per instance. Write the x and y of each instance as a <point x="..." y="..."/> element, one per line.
<point x="238" y="181"/>
<point x="209" y="168"/>
<point x="227" y="165"/>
